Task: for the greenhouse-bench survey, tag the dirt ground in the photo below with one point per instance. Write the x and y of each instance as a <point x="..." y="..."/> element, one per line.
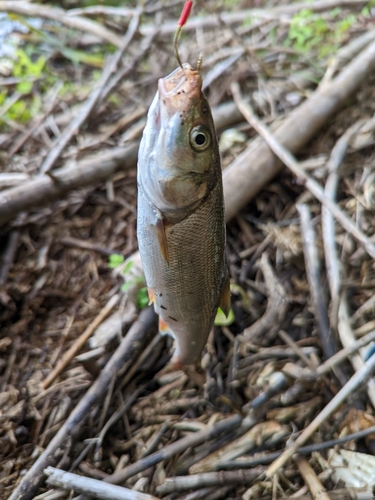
<point x="56" y="279"/>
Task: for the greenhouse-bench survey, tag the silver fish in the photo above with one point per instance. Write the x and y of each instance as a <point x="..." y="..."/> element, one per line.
<point x="181" y="224"/>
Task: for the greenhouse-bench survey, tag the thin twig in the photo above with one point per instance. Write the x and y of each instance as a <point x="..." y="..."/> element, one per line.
<point x="346" y="53"/>
<point x="248" y="462"/>
<point x="87" y="245"/>
<point x="347" y="339"/>
<point x="138" y="362"/>
<point x="60" y="15"/>
<point x="257" y="436"/>
<point x="287" y="158"/>
<point x="129" y="68"/>
<point x="328" y="224"/>
<point x="277" y="306"/>
<point x="341" y="494"/>
<point x="207" y="479"/>
<point x="115" y="417"/>
<point x="342" y="355"/>
<point x="290" y="342"/>
<point x="51" y="102"/>
<point x="10" y="250"/>
<point x="313" y="277"/>
<point x="352" y="385"/>
<point x="80" y="341"/>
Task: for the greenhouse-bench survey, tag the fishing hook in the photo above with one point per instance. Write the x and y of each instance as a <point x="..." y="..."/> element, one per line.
<point x="175" y="44"/>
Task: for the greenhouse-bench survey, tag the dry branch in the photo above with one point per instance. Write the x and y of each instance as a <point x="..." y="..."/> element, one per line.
<point x="44" y="189"/>
<point x="277" y="306"/>
<point x="129" y="349"/>
<point x="340" y="356"/>
<point x="257" y="165"/>
<point x="328" y="223"/>
<point x="92" y="487"/>
<point x="80" y="341"/>
<point x="343" y="494"/>
<point x="60" y="15"/>
<point x="351" y="386"/>
<point x="348" y="339"/>
<point x="317" y="295"/>
<point x="10" y="251"/>
<point x="183" y="483"/>
<point x="311" y="479"/>
<point x="258" y="435"/>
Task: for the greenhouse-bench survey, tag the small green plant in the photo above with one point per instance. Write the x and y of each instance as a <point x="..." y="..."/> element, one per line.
<point x="366" y="11"/>
<point x="133" y="283"/>
<point x="306" y="30"/>
<point x="115" y="259"/>
<point x="142" y="299"/>
<point x="309" y="31"/>
<point x="222" y="320"/>
<point x="24" y="67"/>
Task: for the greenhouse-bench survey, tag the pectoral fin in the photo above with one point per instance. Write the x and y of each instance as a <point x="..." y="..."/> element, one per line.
<point x="151" y="295"/>
<point x="162" y="239"/>
<point x="225" y="297"/>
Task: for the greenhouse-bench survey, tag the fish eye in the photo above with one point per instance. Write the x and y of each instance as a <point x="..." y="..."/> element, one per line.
<point x="200" y="138"/>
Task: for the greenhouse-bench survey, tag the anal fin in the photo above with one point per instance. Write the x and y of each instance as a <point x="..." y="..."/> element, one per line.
<point x="225" y="304"/>
<point x="164" y="328"/>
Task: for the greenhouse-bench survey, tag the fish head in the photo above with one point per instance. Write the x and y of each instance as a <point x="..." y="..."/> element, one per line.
<point x="179" y="157"/>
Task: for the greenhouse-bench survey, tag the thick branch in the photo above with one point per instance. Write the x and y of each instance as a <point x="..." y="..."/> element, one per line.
<point x="257" y="165"/>
<point x="45" y="188"/>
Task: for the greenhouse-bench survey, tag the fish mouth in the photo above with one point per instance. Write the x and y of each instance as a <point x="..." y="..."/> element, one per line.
<point x="177" y="90"/>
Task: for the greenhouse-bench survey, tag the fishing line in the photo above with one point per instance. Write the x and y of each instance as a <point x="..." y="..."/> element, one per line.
<point x="183" y="18"/>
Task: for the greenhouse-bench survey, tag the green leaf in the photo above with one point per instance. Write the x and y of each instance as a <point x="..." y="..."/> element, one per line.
<point x="221" y="320"/>
<point x="115" y="260"/>
<point x="125" y="287"/>
<point x="24" y="87"/>
<point x="142" y="298"/>
<point x="128" y="266"/>
<point x="79" y="56"/>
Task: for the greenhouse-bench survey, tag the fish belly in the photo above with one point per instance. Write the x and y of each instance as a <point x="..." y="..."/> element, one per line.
<point x="188" y="284"/>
